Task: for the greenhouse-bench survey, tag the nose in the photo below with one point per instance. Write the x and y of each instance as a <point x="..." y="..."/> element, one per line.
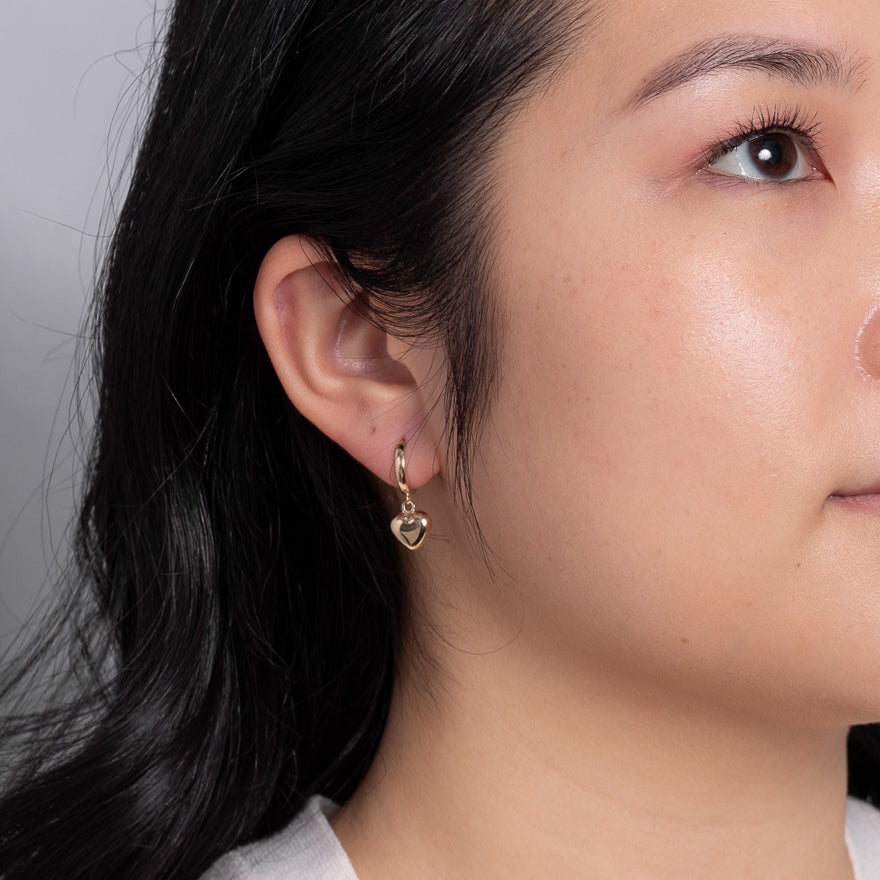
<point x="868" y="345"/>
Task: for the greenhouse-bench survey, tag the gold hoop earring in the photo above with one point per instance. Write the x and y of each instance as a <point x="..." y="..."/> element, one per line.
<point x="410" y="526"/>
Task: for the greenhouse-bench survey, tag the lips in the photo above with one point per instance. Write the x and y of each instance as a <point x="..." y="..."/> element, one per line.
<point x="867" y="497"/>
<point x="859" y="490"/>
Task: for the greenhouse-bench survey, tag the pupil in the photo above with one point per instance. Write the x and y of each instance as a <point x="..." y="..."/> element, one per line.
<point x="774" y="154"/>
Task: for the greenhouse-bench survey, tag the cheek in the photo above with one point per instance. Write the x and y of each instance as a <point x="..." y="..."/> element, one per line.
<point x="660" y="437"/>
<point x="660" y="376"/>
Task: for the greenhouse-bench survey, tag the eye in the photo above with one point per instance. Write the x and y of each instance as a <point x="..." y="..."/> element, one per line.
<point x="769" y="155"/>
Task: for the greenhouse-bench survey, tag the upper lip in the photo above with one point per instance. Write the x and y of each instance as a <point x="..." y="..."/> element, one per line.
<point x="860" y="490"/>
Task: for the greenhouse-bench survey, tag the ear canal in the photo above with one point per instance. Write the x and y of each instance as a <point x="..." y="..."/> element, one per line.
<point x="361" y="347"/>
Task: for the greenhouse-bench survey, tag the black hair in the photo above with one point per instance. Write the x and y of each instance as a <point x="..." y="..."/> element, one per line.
<point x="241" y="604"/>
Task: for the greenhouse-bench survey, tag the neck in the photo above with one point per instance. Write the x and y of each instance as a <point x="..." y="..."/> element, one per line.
<point x="518" y="768"/>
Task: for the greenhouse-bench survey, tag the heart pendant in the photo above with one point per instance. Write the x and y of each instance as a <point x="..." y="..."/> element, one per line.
<point x="411" y="529"/>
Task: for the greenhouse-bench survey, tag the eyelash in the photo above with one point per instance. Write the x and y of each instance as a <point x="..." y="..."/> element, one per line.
<point x="791" y="120"/>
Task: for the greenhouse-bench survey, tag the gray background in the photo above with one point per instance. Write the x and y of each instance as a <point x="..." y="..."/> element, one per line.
<point x="69" y="81"/>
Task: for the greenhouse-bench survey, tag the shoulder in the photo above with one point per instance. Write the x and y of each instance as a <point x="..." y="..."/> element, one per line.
<point x="307" y="849"/>
<point x="863" y="838"/>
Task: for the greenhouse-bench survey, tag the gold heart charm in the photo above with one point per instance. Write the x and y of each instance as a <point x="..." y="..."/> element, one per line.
<point x="411" y="528"/>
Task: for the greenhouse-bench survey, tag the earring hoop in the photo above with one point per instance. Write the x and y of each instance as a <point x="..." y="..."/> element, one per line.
<point x="410" y="526"/>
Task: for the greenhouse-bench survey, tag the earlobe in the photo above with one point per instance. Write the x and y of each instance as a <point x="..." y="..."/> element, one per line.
<point x="334" y="364"/>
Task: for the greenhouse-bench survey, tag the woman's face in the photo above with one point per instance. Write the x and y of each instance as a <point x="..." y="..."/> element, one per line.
<point x="682" y="472"/>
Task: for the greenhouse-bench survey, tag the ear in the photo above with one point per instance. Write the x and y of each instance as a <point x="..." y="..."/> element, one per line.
<point x="335" y="366"/>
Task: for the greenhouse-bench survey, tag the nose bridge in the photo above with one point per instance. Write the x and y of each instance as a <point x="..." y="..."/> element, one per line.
<point x="868" y="341"/>
<point x="867" y="210"/>
<point x="863" y="192"/>
<point x="863" y="266"/>
<point x="858" y="236"/>
<point x="864" y="219"/>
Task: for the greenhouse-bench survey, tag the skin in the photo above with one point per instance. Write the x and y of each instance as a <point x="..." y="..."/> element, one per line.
<point x="679" y="487"/>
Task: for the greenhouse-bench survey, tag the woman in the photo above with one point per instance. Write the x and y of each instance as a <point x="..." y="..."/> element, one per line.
<point x="593" y="288"/>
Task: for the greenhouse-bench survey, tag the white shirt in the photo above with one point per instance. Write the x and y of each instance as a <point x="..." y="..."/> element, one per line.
<point x="307" y="849"/>
<point x="863" y="839"/>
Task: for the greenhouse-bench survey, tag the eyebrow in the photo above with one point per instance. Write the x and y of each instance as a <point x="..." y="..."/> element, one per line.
<point x="801" y="64"/>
